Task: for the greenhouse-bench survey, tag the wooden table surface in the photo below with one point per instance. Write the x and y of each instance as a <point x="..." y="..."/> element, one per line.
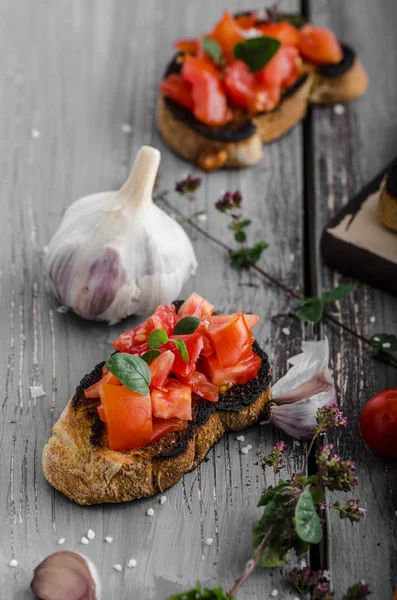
<point x="76" y="71"/>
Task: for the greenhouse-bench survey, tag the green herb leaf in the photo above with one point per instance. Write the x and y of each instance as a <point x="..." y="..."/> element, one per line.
<point x="253" y="254"/>
<point x="383" y="341"/>
<point x="307" y="521"/>
<point x="157" y="338"/>
<point x="274" y="493"/>
<point x="311" y="310"/>
<point x="180" y="344"/>
<point x="256" y="52"/>
<point x="131" y="371"/>
<point x="198" y="213"/>
<point x="338" y="293"/>
<point x="245" y="223"/>
<point x="150" y="355"/>
<point x="187" y="325"/>
<point x="240" y="236"/>
<point x="199" y="594"/>
<point x="211" y="47"/>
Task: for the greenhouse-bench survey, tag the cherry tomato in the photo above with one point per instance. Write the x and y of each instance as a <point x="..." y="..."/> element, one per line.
<point x="378" y="423"/>
<point x="225" y="377"/>
<point x="174" y="401"/>
<point x="319" y="45"/>
<point x="227" y="34"/>
<point x="190" y="46"/>
<point x="201" y="386"/>
<point x="286" y="33"/>
<point x="232" y="340"/>
<point x="162" y="427"/>
<point x="134" y="340"/>
<point x="175" y="87"/>
<point x="128" y="417"/>
<point x="196" y="306"/>
<point x="209" y="98"/>
<point x="160" y="369"/>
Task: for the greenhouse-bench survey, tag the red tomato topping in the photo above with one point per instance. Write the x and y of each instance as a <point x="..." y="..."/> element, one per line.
<point x="319" y="45"/>
<point x="246" y="21"/>
<point x="160" y="369"/>
<point x="175" y="401"/>
<point x="194" y="345"/>
<point x="239" y="373"/>
<point x="128" y="417"/>
<point x="107" y="377"/>
<point x="231" y="340"/>
<point x="227" y="34"/>
<point x="196" y="306"/>
<point x="244" y="90"/>
<point x="282" y="70"/>
<point x="133" y="341"/>
<point x="209" y="98"/>
<point x="101" y="413"/>
<point x="378" y="423"/>
<point x="189" y="46"/>
<point x="201" y="386"/>
<point x="162" y="427"/>
<point x="251" y="320"/>
<point x="175" y="87"/>
<point x="286" y="33"/>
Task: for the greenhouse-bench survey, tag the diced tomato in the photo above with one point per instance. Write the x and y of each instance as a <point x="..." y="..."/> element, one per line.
<point x="194" y="345"/>
<point x="209" y="98"/>
<point x="195" y="306"/>
<point x="128" y="417"/>
<point x="231" y="340"/>
<point x="201" y="386"/>
<point x="227" y="34"/>
<point x="173" y="402"/>
<point x="162" y="427"/>
<point x="101" y="413"/>
<point x="286" y="33"/>
<point x="208" y="348"/>
<point x="189" y="46"/>
<point x="239" y="373"/>
<point x="243" y="89"/>
<point x="251" y="320"/>
<point x="319" y="45"/>
<point x="160" y="369"/>
<point x="282" y="70"/>
<point x="177" y="88"/>
<point x="93" y="390"/>
<point x="132" y="341"/>
<point x="246" y="21"/>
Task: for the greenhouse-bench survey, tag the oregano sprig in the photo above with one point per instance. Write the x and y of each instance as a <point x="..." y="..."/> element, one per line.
<point x="311" y="309"/>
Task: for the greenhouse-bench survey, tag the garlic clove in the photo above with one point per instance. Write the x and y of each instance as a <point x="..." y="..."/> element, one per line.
<point x="117" y="253"/>
<point x="66" y="576"/>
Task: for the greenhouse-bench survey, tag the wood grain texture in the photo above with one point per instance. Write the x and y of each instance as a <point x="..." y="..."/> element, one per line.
<point x="76" y="71"/>
<point x="349" y="151"/>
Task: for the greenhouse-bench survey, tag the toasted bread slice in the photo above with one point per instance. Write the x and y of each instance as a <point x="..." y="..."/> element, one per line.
<point x="78" y="462"/>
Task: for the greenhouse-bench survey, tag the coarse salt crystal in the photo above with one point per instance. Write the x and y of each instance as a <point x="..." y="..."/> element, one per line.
<point x="163" y="499"/>
<point x="108" y="539"/>
<point x="286" y="331"/>
<point x="386" y="345"/>
<point x="117" y="567"/>
<point x="274" y="593"/>
<point x="62" y="309"/>
<point x="132" y="563"/>
<point x="13" y="563"/>
<point x="150" y="512"/>
<point x="292" y="256"/>
<point x="90" y="534"/>
<point x="244" y="450"/>
<point x="126" y="128"/>
<point x="202" y="217"/>
<point x="339" y="109"/>
<point x="35" y="134"/>
<point x="376" y="339"/>
<point x="36" y="391"/>
<point x="84" y="540"/>
<point x="262" y="422"/>
<point x="249" y="447"/>
<point x="372" y="319"/>
<point x="240" y="438"/>
<point x="61" y="541"/>
<point x="326" y="574"/>
<point x="209" y="541"/>
<point x="296" y="443"/>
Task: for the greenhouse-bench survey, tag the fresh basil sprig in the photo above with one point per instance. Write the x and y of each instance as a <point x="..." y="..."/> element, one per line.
<point x="131" y="371"/>
<point x="157" y="338"/>
<point x="186" y="325"/>
<point x="211" y="47"/>
<point x="150" y="355"/>
<point x="256" y="52"/>
<point x="180" y="344"/>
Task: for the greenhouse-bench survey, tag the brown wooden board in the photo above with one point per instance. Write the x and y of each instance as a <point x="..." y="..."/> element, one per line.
<point x="366" y="242"/>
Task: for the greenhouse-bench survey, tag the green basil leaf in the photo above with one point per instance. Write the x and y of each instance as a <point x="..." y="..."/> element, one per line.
<point x="131" y="371"/>
<point x="157" y="338"/>
<point x="338" y="293"/>
<point x="256" y="52"/>
<point x="307" y="522"/>
<point x="180" y="344"/>
<point x="150" y="355"/>
<point x="211" y="47"/>
<point x="240" y="236"/>
<point x="311" y="310"/>
<point x="187" y="325"/>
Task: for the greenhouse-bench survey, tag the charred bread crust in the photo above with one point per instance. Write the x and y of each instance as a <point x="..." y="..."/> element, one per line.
<point x="333" y="89"/>
<point x="388" y="199"/>
<point x="336" y="70"/>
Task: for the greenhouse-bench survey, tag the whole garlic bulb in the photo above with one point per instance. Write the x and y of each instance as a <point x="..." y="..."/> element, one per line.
<point x="116" y="253"/>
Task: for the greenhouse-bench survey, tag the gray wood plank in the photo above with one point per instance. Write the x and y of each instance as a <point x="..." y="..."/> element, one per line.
<point x="76" y="71"/>
<point x="350" y="150"/>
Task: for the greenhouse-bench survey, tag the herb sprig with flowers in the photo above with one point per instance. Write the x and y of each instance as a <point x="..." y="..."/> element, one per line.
<point x="292" y="517"/>
<point x="310" y="310"/>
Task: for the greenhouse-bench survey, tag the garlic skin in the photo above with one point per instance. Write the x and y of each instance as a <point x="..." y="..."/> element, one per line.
<point x="305" y="388"/>
<point x="116" y="253"/>
<point x="66" y="576"/>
